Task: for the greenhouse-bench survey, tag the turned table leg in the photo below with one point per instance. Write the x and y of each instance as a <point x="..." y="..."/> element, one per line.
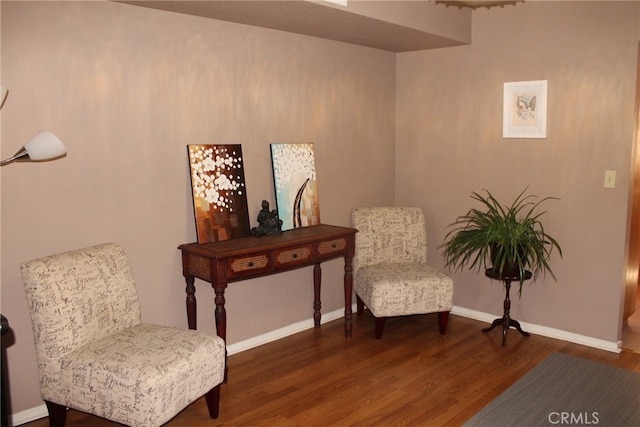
<point x="317" y="304"/>
<point x="220" y="312"/>
<point x="348" y="291"/>
<point x="221" y="322"/>
<point x="191" y="302"/>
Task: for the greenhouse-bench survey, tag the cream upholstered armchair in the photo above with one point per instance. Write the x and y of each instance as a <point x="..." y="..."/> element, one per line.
<point x="391" y="275"/>
<point x="95" y="355"/>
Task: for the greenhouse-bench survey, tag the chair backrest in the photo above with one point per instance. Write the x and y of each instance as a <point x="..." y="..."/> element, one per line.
<point x="389" y="235"/>
<point x="75" y="298"/>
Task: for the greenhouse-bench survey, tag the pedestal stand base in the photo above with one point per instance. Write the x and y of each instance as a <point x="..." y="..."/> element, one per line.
<point x="506" y="321"/>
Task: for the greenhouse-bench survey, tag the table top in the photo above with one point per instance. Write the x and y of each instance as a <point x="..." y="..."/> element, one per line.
<point x="301" y="235"/>
<point x="489" y="272"/>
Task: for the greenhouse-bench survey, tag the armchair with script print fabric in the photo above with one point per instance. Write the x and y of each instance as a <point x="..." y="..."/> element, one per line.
<point x="94" y="354"/>
<point x="391" y="275"/>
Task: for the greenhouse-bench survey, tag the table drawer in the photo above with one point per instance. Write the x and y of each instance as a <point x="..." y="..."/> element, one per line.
<point x="293" y="256"/>
<point x="248" y="264"/>
<point x="331" y="247"/>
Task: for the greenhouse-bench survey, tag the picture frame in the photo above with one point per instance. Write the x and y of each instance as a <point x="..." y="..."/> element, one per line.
<point x="294" y="176"/>
<point x="219" y="192"/>
<point x="525" y="109"/>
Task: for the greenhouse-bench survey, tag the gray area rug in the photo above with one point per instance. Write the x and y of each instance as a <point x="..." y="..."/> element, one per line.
<point x="565" y="390"/>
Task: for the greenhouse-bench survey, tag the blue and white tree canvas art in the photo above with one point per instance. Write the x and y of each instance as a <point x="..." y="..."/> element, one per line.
<point x="219" y="195"/>
<point x="294" y="175"/>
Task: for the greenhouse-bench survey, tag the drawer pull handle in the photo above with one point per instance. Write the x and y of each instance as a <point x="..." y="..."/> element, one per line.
<point x="250" y="264"/>
<point x="294" y="256"/>
<point x="333" y="246"/>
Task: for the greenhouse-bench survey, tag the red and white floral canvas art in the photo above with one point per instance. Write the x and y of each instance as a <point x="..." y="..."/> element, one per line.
<point x="219" y="192"/>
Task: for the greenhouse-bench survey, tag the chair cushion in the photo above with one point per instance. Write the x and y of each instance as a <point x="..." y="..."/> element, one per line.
<point x="396" y="289"/>
<point x="141" y="376"/>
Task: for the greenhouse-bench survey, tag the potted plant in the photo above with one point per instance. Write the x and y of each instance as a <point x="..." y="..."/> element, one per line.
<point x="511" y="239"/>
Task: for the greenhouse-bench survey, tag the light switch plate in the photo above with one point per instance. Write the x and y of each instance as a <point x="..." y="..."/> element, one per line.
<point x="609" y="179"/>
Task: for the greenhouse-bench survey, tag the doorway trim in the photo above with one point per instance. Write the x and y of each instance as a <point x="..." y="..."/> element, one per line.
<point x="633" y="221"/>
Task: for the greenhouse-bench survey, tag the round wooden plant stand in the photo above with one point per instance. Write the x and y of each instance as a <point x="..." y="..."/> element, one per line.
<point x="506" y="321"/>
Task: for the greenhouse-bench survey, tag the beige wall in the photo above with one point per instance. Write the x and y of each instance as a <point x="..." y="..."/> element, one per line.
<point x="449" y="143"/>
<point x="126" y="89"/>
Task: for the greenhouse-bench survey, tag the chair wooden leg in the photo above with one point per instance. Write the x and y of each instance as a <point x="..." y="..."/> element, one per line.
<point x="443" y="319"/>
<point x="213" y="401"/>
<point x="359" y="305"/>
<point x="379" y="326"/>
<point x="57" y="414"/>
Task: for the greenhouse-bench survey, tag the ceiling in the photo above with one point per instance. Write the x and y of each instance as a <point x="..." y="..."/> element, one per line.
<point x="314" y="18"/>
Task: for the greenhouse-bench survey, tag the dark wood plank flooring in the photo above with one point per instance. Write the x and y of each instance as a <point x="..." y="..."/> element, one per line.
<point x="412" y="377"/>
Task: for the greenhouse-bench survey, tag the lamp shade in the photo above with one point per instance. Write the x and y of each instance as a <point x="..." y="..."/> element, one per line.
<point x="44" y="146"/>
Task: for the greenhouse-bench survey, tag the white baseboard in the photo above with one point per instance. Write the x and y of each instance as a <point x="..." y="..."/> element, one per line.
<point x="543" y="330"/>
<point x="38" y="412"/>
<point x="283" y="332"/>
<point x="28" y="415"/>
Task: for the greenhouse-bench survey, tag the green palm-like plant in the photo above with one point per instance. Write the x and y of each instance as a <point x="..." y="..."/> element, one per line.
<point x="511" y="239"/>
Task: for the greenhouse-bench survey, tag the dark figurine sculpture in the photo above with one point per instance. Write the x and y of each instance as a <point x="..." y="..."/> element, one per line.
<point x="268" y="222"/>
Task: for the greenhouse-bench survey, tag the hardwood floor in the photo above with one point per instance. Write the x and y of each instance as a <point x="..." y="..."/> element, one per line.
<point x="412" y="377"/>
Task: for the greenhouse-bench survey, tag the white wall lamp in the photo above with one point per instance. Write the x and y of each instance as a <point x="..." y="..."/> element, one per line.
<point x="43" y="146"/>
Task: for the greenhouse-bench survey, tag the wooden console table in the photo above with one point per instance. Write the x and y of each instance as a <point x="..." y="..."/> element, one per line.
<point x="228" y="261"/>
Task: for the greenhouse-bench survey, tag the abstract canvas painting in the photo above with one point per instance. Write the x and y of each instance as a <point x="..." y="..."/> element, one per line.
<point x="294" y="175"/>
<point x="219" y="196"/>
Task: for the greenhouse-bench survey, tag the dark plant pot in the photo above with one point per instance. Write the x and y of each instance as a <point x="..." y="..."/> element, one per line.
<point x="508" y="270"/>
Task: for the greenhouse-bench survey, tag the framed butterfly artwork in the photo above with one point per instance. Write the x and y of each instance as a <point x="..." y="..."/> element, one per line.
<point x="525" y="109"/>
